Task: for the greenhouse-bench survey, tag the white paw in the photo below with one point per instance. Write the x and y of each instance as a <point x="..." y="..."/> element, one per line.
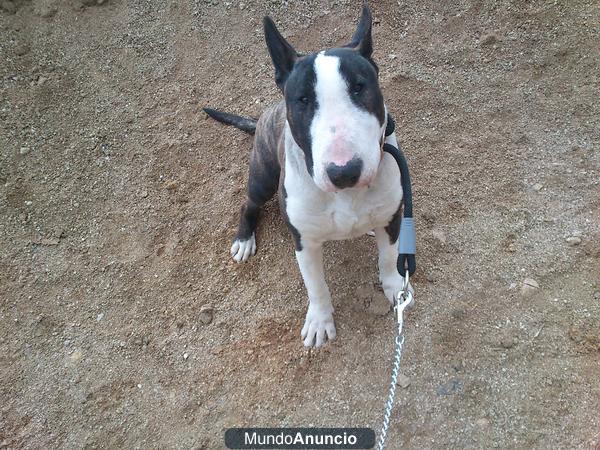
<point x="392" y="285"/>
<point x="241" y="251"/>
<point x="318" y="327"/>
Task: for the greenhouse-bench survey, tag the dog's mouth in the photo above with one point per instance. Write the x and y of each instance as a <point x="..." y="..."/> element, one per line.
<point x="330" y="187"/>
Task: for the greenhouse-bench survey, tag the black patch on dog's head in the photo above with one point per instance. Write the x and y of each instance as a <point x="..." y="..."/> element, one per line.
<point x="282" y="53"/>
<point x="362" y="40"/>
<point x="361" y="78"/>
<point x="301" y="103"/>
<point x="295" y="76"/>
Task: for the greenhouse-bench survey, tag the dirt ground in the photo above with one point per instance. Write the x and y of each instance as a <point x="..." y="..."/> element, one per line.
<point x="123" y="320"/>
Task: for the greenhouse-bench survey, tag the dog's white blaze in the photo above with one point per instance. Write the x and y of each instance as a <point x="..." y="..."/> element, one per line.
<point x="340" y="130"/>
<point x="321" y="216"/>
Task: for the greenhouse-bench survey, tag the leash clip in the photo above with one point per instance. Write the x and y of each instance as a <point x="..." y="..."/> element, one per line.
<point x="403" y="299"/>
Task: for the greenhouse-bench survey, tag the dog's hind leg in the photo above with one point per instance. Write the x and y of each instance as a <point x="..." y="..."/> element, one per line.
<point x="263" y="182"/>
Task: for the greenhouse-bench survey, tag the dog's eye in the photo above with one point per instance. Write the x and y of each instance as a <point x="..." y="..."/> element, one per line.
<point x="357" y="88"/>
<point x="303" y="100"/>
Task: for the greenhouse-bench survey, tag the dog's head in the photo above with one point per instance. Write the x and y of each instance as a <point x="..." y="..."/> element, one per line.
<point x="335" y="109"/>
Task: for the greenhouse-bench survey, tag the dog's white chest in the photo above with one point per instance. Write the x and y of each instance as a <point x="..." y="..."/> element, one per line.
<point x="322" y="216"/>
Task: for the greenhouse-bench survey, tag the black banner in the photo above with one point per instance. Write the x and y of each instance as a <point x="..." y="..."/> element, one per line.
<point x="300" y="438"/>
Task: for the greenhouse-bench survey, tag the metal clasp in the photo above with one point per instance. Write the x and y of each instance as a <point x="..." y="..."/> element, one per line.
<point x="403" y="299"/>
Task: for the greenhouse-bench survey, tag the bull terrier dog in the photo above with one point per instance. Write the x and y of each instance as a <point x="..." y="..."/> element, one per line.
<point x="321" y="149"/>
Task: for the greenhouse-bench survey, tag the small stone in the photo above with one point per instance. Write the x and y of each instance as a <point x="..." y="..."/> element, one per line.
<point x="23" y="150"/>
<point x="439" y="236"/>
<point x="482" y="423"/>
<point x="529" y="286"/>
<point x="144" y="194"/>
<point x="186" y="356"/>
<point x="488" y="39"/>
<point x="403" y="381"/>
<point x="206" y="315"/>
<point x="453" y="386"/>
<point x="50" y="241"/>
<point x="458" y="365"/>
<point x="171" y="185"/>
<point x="433" y="275"/>
<point x="512" y="247"/>
<point x="428" y="216"/>
<point x="573" y="241"/>
<point x="508" y="342"/>
<point x="44" y="10"/>
<point x="76" y="355"/>
<point x="537" y="187"/>
<point x="21" y="50"/>
<point x="99" y="317"/>
<point x="458" y="313"/>
<point x="28" y="203"/>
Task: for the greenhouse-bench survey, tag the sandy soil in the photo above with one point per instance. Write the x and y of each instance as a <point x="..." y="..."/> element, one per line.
<point x="123" y="321"/>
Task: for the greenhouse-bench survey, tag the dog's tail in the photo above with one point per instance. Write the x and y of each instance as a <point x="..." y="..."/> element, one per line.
<point x="243" y="123"/>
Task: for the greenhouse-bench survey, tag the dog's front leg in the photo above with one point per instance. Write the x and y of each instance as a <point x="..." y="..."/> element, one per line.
<point x="318" y="326"/>
<point x="391" y="281"/>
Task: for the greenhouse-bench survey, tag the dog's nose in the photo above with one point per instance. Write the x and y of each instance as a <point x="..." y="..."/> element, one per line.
<point x="347" y="175"/>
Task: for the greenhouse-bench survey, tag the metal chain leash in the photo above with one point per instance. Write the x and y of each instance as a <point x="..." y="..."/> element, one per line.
<point x="390" y="401"/>
<point x="403" y="299"/>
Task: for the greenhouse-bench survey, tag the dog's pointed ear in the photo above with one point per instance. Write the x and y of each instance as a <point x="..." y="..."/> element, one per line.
<point x="362" y="41"/>
<point x="282" y="53"/>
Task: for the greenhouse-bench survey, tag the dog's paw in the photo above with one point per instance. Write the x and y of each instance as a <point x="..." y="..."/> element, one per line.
<point x="392" y="285"/>
<point x="241" y="251"/>
<point x="318" y="327"/>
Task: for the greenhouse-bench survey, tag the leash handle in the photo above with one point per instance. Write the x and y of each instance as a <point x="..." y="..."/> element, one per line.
<point x="407" y="242"/>
<point x="407" y="246"/>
